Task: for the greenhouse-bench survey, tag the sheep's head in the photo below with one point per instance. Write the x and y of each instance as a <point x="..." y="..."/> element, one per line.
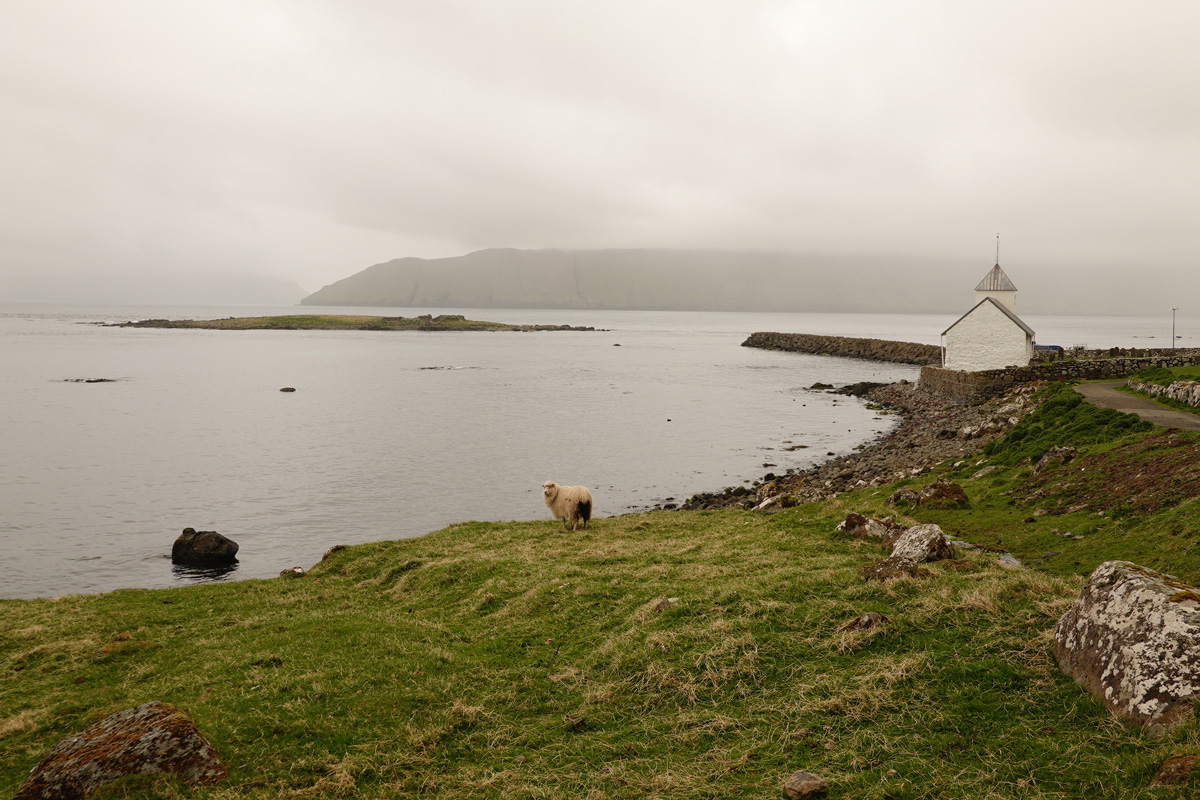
<point x="549" y="488"/>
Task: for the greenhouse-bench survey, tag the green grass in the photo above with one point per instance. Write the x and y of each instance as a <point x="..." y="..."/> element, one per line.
<point x="516" y="660"/>
<point x="1062" y="419"/>
<point x="1165" y="376"/>
<point x="1140" y="488"/>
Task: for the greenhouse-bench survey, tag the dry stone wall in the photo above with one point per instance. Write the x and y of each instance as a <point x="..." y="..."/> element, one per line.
<point x="976" y="387"/>
<point x="848" y="347"/>
<point x="1130" y="352"/>
<point x="1186" y="392"/>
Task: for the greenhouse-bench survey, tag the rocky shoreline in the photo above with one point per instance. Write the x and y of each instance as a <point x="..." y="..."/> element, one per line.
<point x="931" y="430"/>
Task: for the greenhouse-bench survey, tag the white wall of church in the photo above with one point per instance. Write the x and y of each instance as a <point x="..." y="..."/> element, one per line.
<point x="986" y="339"/>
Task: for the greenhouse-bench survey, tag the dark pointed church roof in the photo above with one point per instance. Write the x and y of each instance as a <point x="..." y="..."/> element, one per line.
<point x="995" y="281"/>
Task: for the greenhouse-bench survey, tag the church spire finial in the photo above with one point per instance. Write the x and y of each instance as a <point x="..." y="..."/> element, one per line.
<point x="997" y="248"/>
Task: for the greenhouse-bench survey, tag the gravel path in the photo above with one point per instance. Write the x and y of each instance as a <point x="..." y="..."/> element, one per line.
<point x="1103" y="394"/>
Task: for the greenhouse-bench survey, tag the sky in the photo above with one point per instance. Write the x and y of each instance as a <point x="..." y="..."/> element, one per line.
<point x="308" y="139"/>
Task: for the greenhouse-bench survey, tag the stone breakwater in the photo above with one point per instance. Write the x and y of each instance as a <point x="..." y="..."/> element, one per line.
<point x="1186" y="392"/>
<point x="932" y="429"/>
<point x="847" y="347"/>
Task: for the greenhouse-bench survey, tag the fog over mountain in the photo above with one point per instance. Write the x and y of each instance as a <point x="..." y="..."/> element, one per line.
<point x="708" y="280"/>
<point x="162" y="288"/>
<point x="306" y="140"/>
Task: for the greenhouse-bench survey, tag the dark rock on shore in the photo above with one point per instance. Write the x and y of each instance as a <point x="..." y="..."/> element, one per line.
<point x="202" y="548"/>
<point x="860" y="389"/>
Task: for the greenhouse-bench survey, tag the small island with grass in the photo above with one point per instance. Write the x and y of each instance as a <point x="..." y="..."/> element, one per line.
<point x="338" y="322"/>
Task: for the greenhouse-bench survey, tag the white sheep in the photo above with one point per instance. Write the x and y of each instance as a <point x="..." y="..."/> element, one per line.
<point x="568" y="503"/>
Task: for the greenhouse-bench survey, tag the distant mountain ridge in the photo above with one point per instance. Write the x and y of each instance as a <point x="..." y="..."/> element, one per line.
<point x="720" y="280"/>
<point x="649" y="279"/>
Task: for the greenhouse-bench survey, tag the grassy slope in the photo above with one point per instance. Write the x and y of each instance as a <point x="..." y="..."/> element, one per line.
<point x="1140" y="486"/>
<point x="516" y="660"/>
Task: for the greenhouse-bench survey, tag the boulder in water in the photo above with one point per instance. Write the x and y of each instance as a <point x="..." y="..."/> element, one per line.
<point x="202" y="548"/>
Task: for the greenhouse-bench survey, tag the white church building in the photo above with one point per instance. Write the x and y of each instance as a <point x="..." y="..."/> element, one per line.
<point x="990" y="335"/>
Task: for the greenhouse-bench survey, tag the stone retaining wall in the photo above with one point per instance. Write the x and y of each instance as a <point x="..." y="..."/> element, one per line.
<point x="1186" y="392"/>
<point x="975" y="387"/>
<point x="847" y="347"/>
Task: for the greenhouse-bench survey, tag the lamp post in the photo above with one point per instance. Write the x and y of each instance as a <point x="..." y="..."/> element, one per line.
<point x="1173" y="310"/>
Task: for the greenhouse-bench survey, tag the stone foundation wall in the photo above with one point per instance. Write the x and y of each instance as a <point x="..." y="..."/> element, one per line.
<point x="847" y="347"/>
<point x="975" y="387"/>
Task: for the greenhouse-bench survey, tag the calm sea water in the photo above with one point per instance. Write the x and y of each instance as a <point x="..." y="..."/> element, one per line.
<point x="392" y="435"/>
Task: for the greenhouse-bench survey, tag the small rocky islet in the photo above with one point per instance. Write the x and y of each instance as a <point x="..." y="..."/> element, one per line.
<point x="330" y="322"/>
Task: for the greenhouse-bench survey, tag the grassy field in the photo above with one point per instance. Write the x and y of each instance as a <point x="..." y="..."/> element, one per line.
<point x="515" y="660"/>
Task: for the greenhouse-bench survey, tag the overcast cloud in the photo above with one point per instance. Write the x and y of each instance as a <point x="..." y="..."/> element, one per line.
<point x="307" y="139"/>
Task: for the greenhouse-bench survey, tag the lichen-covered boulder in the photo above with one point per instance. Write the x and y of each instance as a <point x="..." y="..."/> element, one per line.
<point x="203" y="548"/>
<point x="1064" y="455"/>
<point x="1175" y="770"/>
<point x="922" y="543"/>
<point x="1132" y="639"/>
<point x="891" y="568"/>
<point x="862" y="527"/>
<point x="903" y="495"/>
<point x="804" y="784"/>
<point x="943" y="494"/>
<point x="150" y="738"/>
